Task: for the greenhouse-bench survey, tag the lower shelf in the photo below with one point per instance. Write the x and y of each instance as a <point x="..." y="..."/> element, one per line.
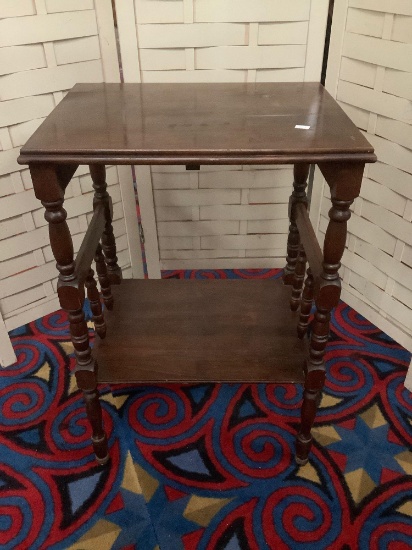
<point x="201" y="331"/>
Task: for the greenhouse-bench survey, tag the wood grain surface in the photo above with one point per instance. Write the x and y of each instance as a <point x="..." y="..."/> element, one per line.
<point x="176" y="122"/>
<point x="197" y="330"/>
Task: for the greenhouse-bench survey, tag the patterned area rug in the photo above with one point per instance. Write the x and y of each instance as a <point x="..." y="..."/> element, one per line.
<point x="207" y="467"/>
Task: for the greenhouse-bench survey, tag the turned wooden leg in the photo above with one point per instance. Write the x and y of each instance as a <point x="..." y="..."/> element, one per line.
<point x="86" y="376"/>
<point x="104" y="280"/>
<point x="300" y="175"/>
<point x="50" y="190"/>
<point x="98" y="173"/>
<point x="314" y="381"/>
<point x="109" y="249"/>
<point x="95" y="304"/>
<point x="293" y="250"/>
<point x="298" y="278"/>
<point x="306" y="305"/>
<point x="327" y="297"/>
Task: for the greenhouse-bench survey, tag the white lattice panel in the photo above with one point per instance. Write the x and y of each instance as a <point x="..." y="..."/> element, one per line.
<point x="370" y="73"/>
<point x="46" y="46"/>
<point x="221" y="216"/>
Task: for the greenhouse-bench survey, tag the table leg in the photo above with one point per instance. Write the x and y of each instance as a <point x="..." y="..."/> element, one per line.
<point x="344" y="181"/>
<point x="95" y="304"/>
<point x="300" y="175"/>
<point x="298" y="278"/>
<point x="306" y="304"/>
<point x="50" y="191"/>
<point x="98" y="174"/>
<point x="103" y="277"/>
<point x="86" y="377"/>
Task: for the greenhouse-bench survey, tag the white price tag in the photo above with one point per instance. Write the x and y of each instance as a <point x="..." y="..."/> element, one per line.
<point x="302" y="127"/>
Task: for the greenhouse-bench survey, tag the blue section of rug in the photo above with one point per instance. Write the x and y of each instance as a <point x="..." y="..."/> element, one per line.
<point x="207" y="466"/>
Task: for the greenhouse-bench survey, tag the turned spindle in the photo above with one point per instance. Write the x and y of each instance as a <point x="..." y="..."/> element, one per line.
<point x="306" y="304"/>
<point x="95" y="304"/>
<point x="49" y="190"/>
<point x="300" y="175"/>
<point x="326" y="299"/>
<point x="298" y="278"/>
<point x="98" y="174"/>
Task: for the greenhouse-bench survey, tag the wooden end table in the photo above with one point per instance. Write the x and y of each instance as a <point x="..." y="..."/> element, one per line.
<point x="198" y="331"/>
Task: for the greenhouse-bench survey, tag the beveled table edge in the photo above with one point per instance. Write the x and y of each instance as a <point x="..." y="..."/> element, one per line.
<point x="209" y="158"/>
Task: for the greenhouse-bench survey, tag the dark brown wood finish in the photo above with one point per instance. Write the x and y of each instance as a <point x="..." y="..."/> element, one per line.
<point x="95" y="304"/>
<point x="306" y="304"/>
<point x="187" y="160"/>
<point x="92" y="238"/>
<point x="308" y="239"/>
<point x="102" y="197"/>
<point x="345" y="183"/>
<point x="209" y="331"/>
<point x="103" y="277"/>
<point x="71" y="295"/>
<point x="196" y="124"/>
<point x="65" y="173"/>
<point x="298" y="278"/>
<point x="189" y="331"/>
<point x="300" y="175"/>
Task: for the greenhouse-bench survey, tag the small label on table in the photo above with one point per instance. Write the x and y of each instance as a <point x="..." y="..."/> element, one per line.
<point x="302" y="127"/>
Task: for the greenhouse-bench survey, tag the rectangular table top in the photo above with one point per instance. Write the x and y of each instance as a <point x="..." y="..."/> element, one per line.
<point x="200" y="123"/>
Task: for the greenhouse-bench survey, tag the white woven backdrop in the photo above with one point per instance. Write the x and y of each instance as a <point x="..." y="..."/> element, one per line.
<point x="370" y="73"/>
<point x="46" y="46"/>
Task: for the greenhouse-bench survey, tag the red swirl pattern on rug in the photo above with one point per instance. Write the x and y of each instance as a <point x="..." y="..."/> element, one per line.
<point x="207" y="467"/>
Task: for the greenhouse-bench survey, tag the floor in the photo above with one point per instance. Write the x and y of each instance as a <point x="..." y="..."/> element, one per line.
<point x="207" y="466"/>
